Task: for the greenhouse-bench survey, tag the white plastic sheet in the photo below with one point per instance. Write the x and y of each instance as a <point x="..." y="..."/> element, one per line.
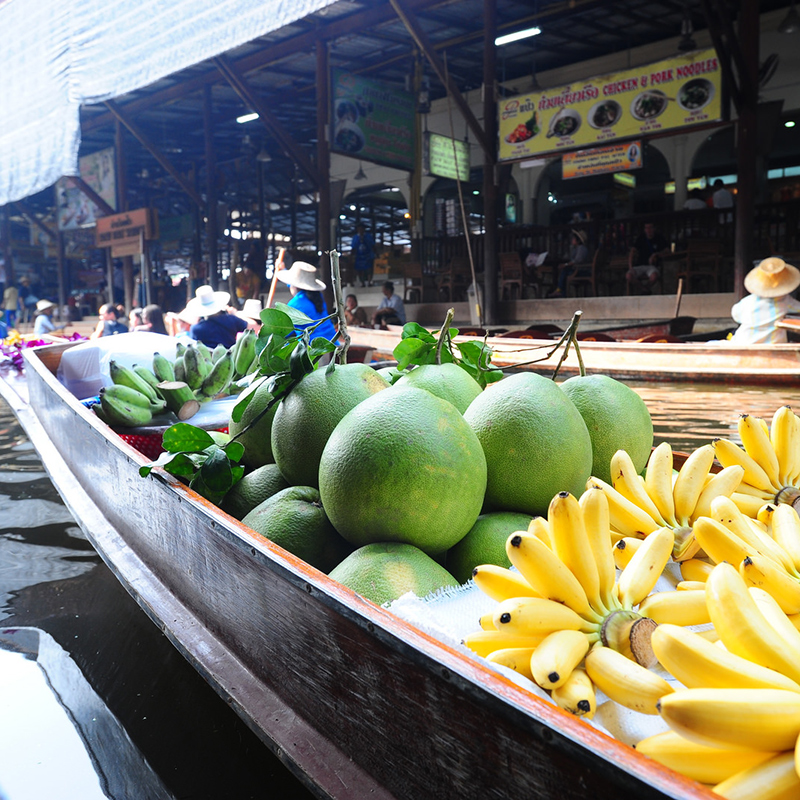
<point x="59" y="54"/>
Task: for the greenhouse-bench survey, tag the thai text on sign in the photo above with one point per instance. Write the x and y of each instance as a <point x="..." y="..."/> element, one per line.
<point x="116" y="229"/>
<point x="612" y="158"/>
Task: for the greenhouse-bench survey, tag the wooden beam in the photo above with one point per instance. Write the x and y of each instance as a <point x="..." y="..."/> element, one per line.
<point x="31" y="217"/>
<point x="723" y="52"/>
<point x="240" y="85"/>
<point x="154" y="151"/>
<point x="427" y="48"/>
<point x="212" y="228"/>
<point x="490" y="193"/>
<point x="323" y="163"/>
<point x="80" y="183"/>
<point x="736" y="51"/>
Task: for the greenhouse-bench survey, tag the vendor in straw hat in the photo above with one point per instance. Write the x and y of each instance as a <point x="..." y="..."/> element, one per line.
<point x="215" y="324"/>
<point x="578" y="256"/>
<point x="251" y="313"/>
<point x="769" y="301"/>
<point x="43" y="322"/>
<point x="306" y="288"/>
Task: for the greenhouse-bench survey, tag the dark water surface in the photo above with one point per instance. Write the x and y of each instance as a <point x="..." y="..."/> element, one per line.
<point x="94" y="701"/>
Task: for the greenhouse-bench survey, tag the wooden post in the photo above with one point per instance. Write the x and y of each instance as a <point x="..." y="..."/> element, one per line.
<point x="5" y="239"/>
<point x="323" y="168"/>
<point x="746" y="144"/>
<point x="211" y="188"/>
<point x="489" y="177"/>
<point x="122" y="205"/>
<point x="60" y="260"/>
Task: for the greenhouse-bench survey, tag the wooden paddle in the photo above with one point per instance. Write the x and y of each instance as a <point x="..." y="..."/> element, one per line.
<point x="274" y="284"/>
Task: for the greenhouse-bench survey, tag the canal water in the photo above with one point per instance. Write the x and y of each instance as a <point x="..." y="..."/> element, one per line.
<point x="95" y="702"/>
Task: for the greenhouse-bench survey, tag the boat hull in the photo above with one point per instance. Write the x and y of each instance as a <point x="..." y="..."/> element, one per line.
<point x="357" y="702"/>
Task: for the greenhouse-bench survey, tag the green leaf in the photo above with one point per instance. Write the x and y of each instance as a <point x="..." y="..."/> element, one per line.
<point x="235" y="450"/>
<point x="275" y="323"/>
<point x="181" y="464"/>
<point x="416" y="331"/>
<point x="299" y="363"/>
<point x="298" y="318"/>
<point x="275" y="356"/>
<point x="185" y="438"/>
<point x="411" y="351"/>
<point x="319" y="347"/>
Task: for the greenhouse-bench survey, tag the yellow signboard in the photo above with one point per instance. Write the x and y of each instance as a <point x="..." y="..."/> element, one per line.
<point x="611" y="158"/>
<point x="673" y="93"/>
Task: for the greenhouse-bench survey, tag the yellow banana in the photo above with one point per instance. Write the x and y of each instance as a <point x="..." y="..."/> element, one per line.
<point x="762" y="572"/>
<point x="729" y="453"/>
<point x="553" y="661"/>
<point x="720" y="543"/>
<point x="748" y="503"/>
<point x="644" y="569"/>
<point x="548" y="576"/>
<point x="627" y="482"/>
<point x="624" y="551"/>
<point x="781" y="622"/>
<point x="690" y="481"/>
<point x="677" y="608"/>
<point x="690" y="586"/>
<point x="743" y="628"/>
<point x="486" y="621"/>
<point x="696" y="569"/>
<point x="534" y="616"/>
<point x="776" y="779"/>
<point x="769" y="718"/>
<point x="571" y="544"/>
<point x="786" y="532"/>
<point x="484" y="642"/>
<point x="540" y="528"/>
<point x="698" y="663"/>
<point x="624" y="681"/>
<point x="626" y="517"/>
<point x="577" y="695"/>
<point x="658" y="482"/>
<point x="698" y="761"/>
<point x="723" y="484"/>
<point x="758" y="446"/>
<point x="516" y="658"/>
<point x="785" y="438"/>
<point x="500" y="583"/>
<point x="594" y="505"/>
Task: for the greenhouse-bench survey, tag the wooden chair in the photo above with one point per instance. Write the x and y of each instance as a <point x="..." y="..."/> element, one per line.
<point x="584" y="278"/>
<point x="612" y="275"/>
<point x="456" y="278"/>
<point x="510" y="274"/>
<point x="416" y="282"/>
<point x="702" y="263"/>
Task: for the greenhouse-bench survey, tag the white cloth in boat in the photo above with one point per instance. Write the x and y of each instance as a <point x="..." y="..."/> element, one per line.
<point x="757" y="318"/>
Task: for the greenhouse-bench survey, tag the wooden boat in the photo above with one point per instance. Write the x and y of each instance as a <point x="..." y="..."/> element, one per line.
<point x="702" y="362"/>
<point x="356" y="701"/>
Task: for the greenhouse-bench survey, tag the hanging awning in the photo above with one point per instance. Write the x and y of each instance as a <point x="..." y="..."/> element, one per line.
<point x="59" y="54"/>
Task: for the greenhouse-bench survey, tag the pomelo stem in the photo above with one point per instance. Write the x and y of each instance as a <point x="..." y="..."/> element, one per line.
<point x="340" y="354"/>
<point x="444" y="332"/>
<point x="570" y="339"/>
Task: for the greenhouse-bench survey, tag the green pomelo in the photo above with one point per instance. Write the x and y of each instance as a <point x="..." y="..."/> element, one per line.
<point x="253" y="489"/>
<point x="294" y="519"/>
<point x="391" y="374"/>
<point x="403" y="466"/>
<point x="485" y="543"/>
<point x="447" y="381"/>
<point x="384" y="571"/>
<point x="535" y="441"/>
<point x="256" y="439"/>
<point x="616" y="417"/>
<point x="307" y="416"/>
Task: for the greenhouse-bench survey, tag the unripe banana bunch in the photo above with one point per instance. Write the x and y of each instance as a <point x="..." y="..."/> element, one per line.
<point x="738" y="721"/>
<point x="638" y="506"/>
<point x="565" y="606"/>
<point x="770" y="460"/>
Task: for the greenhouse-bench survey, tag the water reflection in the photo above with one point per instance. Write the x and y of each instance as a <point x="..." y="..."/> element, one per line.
<point x="688" y="415"/>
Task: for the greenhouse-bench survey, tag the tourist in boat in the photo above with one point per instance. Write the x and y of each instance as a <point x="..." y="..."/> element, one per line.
<point x="306" y="289"/>
<point x="644" y="260"/>
<point x="770" y="285"/>
<point x="135" y="320"/>
<point x="216" y="324"/>
<point x="43" y="323"/>
<point x="251" y="313"/>
<point x="578" y="256"/>
<point x="362" y="250"/>
<point x="354" y="314"/>
<point x="391" y="310"/>
<point x="108" y="324"/>
<point x="152" y="320"/>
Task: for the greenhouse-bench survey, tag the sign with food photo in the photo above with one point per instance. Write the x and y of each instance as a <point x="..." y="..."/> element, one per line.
<point x="675" y="93"/>
<point x="372" y="120"/>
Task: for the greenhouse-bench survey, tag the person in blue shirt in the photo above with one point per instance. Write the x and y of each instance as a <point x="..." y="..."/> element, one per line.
<point x="306" y="289"/>
<point x="43" y="323"/>
<point x="216" y="325"/>
<point x="363" y="252"/>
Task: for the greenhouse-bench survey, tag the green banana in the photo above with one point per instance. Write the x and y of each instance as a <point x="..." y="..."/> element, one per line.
<point x="180" y="348"/>
<point x="218" y="379"/>
<point x="163" y="368"/>
<point x="124" y="394"/>
<point x="180" y="371"/>
<point x="245" y="353"/>
<point x="218" y="352"/>
<point x="146" y="375"/>
<point x="124" y="414"/>
<point x="193" y="368"/>
<point x="127" y="377"/>
<point x="203" y="351"/>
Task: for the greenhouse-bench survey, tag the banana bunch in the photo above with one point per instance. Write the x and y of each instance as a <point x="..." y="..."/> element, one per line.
<point x="638" y="506"/>
<point x="244" y="354"/>
<point x="207" y="373"/>
<point x="770" y="459"/>
<point x="565" y="607"/>
<point x="737" y="722"/>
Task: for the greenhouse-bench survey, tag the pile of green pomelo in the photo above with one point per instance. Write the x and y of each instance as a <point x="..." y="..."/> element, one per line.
<point x="407" y="486"/>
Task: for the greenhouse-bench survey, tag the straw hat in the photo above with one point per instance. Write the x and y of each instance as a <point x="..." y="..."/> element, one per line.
<point x="207" y="302"/>
<point x="43" y="305"/>
<point x="581" y="236"/>
<point x="302" y="275"/>
<point x="251" y="310"/>
<point x="773" y="277"/>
